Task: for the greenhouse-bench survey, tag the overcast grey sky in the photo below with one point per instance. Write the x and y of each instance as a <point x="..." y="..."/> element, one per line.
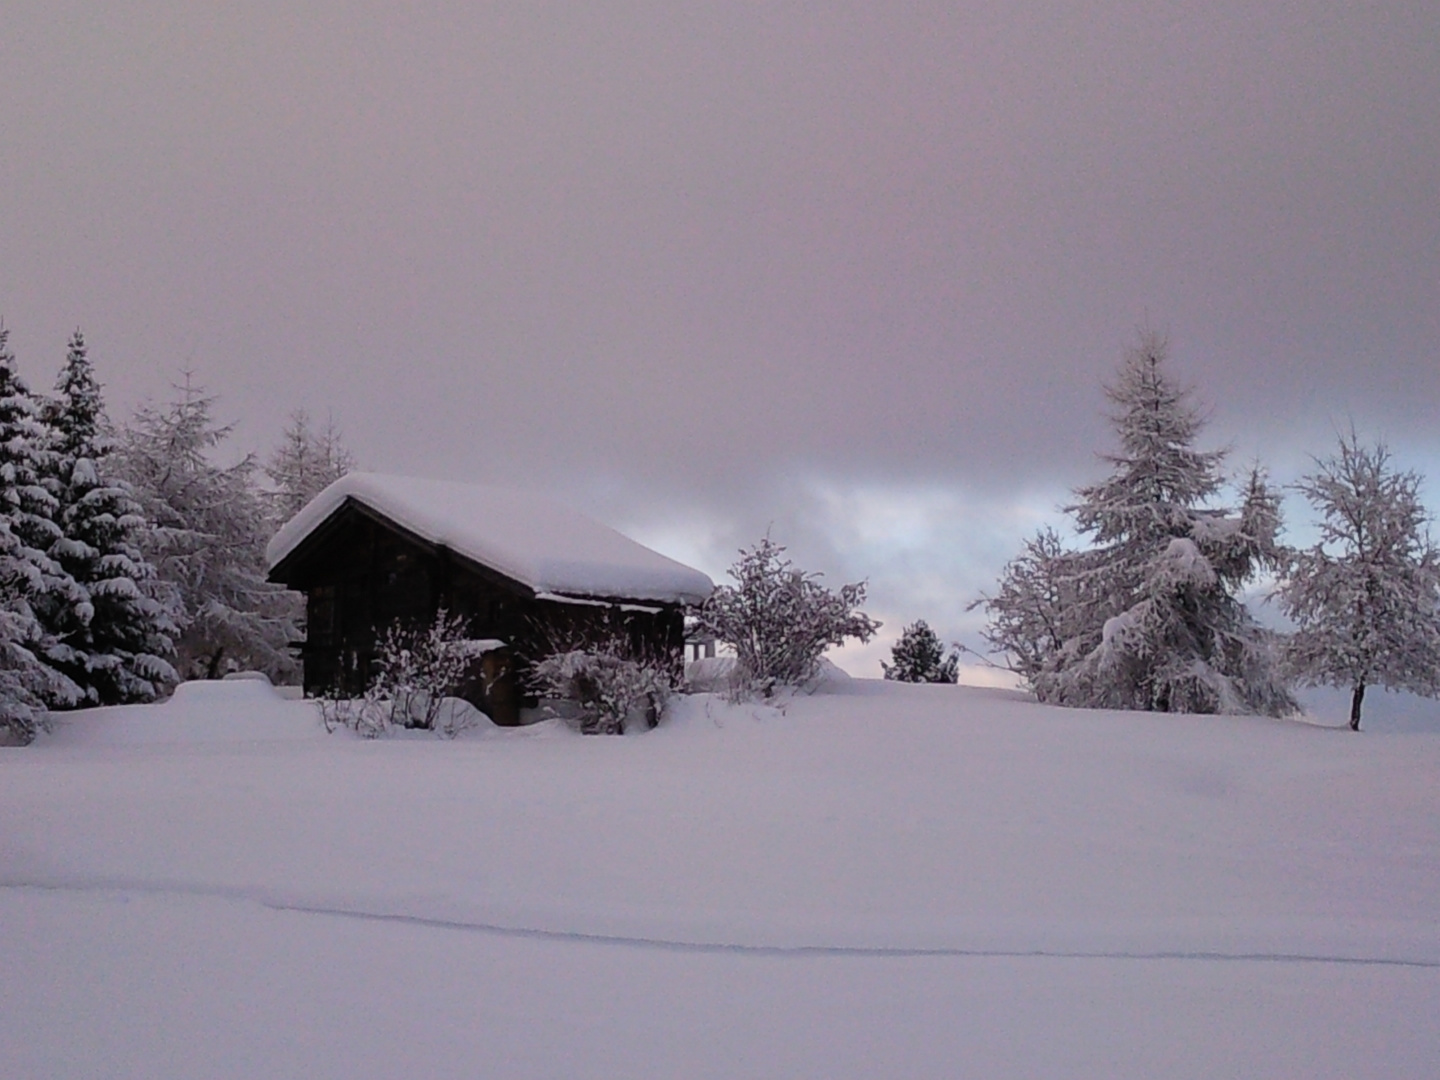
<point x="856" y="270"/>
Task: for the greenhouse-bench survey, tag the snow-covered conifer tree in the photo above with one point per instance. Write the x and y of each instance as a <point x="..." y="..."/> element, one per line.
<point x="117" y="651"/>
<point x="1150" y="616"/>
<point x="28" y="685"/>
<point x="304" y="464"/>
<point x="919" y="656"/>
<point x="1366" y="598"/>
<point x="208" y="538"/>
<point x="33" y="587"/>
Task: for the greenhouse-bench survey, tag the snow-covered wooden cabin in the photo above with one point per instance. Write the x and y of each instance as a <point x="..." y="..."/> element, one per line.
<point x="371" y="550"/>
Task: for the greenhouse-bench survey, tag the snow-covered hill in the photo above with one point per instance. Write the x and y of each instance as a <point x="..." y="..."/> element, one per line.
<point x="876" y="880"/>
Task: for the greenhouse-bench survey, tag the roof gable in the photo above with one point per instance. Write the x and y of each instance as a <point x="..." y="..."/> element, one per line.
<point x="528" y="538"/>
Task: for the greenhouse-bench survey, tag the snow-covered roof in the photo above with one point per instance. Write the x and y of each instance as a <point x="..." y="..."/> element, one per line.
<point x="530" y="539"/>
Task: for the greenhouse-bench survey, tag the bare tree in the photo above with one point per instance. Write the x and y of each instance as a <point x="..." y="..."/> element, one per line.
<point x="1366" y="598"/>
<point x="305" y="463"/>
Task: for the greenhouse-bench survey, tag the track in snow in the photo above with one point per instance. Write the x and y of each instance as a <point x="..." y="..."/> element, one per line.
<point x="674" y="945"/>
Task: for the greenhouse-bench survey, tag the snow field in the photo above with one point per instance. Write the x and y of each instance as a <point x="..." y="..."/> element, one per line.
<point x="880" y="879"/>
<point x="126" y="986"/>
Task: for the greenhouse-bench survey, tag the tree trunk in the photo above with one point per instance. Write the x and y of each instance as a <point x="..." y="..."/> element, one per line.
<point x="212" y="670"/>
<point x="1356" y="697"/>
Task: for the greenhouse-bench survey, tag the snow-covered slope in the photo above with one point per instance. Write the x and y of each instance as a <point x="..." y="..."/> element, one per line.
<point x="879" y="879"/>
<point x="539" y="543"/>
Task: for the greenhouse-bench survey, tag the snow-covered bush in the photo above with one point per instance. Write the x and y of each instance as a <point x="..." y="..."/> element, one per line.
<point x="780" y="620"/>
<point x="419" y="666"/>
<point x="1366" y="598"/>
<point x="418" y="670"/>
<point x="1150" y="616"/>
<point x="606" y="683"/>
<point x="919" y="656"/>
<point x="368" y="715"/>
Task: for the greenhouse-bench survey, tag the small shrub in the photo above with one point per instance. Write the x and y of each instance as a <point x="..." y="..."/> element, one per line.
<point x="368" y="715"/>
<point x="605" y="684"/>
<point x="780" y="620"/>
<point x="418" y="668"/>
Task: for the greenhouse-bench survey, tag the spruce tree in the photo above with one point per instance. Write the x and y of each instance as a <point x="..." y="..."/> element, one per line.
<point x="919" y="656"/>
<point x="33" y="587"/>
<point x="1366" y="598"/>
<point x="118" y="654"/>
<point x="1149" y="617"/>
<point x="29" y="686"/>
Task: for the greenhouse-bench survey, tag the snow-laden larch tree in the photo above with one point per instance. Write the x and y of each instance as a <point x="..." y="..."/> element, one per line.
<point x="1150" y="615"/>
<point x="307" y="461"/>
<point x="1366" y="598"/>
<point x="207" y="542"/>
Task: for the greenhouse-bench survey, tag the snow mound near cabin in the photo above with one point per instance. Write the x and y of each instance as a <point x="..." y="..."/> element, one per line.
<point x="201" y="711"/>
<point x="716" y="675"/>
<point x="534" y="541"/>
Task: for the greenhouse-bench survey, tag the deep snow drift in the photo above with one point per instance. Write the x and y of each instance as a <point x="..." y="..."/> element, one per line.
<point x="880" y="878"/>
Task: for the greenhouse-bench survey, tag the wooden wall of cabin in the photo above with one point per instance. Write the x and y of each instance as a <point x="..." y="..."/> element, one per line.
<point x="369" y="577"/>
